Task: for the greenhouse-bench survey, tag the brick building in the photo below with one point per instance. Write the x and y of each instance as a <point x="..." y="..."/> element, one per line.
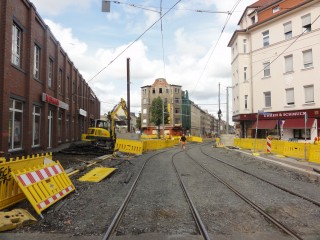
<point x="44" y="100"/>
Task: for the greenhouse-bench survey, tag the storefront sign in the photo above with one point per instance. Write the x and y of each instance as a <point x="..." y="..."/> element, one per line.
<point x="83" y="112"/>
<point x="47" y="98"/>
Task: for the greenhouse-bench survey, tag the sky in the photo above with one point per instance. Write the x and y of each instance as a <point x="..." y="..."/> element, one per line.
<point x="190" y="49"/>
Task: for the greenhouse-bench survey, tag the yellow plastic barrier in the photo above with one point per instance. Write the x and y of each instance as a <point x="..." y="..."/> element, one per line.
<point x="44" y="185"/>
<point x="10" y="193"/>
<point x="289" y="149"/>
<point x="194" y="139"/>
<point x="314" y="155"/>
<point x="129" y="146"/>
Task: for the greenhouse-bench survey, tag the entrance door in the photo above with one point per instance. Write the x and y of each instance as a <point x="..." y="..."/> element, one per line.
<point x="50" y="119"/>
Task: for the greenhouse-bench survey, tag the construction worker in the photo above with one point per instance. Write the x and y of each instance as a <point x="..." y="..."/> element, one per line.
<point x="183" y="140"/>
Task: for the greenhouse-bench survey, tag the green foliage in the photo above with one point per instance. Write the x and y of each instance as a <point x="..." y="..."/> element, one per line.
<point x="156" y="111"/>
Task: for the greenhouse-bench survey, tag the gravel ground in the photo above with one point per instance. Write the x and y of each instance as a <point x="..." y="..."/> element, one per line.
<point x="159" y="206"/>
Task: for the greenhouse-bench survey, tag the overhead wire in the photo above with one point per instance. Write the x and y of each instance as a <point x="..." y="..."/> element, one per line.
<point x="133" y="41"/>
<point x="163" y="58"/>
<point x="215" y="46"/>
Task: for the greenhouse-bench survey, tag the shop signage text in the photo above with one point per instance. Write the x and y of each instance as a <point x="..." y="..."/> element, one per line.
<point x="49" y="99"/>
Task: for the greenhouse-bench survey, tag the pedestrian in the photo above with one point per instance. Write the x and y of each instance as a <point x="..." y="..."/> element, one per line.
<point x="183" y="140"/>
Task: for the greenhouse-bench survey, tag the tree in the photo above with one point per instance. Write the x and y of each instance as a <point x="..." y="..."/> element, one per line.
<point x="156" y="113"/>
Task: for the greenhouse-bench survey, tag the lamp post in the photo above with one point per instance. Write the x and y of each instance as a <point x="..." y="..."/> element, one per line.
<point x="255" y="137"/>
<point x="227" y="112"/>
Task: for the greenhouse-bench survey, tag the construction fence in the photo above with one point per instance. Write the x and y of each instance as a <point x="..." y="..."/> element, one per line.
<point x="10" y="192"/>
<point x="285" y="148"/>
<point x="149" y="144"/>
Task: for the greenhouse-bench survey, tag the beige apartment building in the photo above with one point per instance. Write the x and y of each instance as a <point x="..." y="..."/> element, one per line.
<point x="197" y="121"/>
<point x="276" y="70"/>
<point x="170" y="94"/>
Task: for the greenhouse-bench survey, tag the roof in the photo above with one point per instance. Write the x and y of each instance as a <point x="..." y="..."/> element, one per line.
<point x="263" y="3"/>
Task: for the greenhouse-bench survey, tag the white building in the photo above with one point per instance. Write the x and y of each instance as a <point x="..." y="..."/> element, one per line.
<point x="276" y="69"/>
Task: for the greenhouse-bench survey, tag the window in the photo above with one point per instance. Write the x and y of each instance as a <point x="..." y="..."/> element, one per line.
<point x="309" y="94"/>
<point x="16" y="45"/>
<point x="160" y="90"/>
<point x="244" y="45"/>
<point x="287" y="28"/>
<point x="306" y="23"/>
<point x="73" y="90"/>
<point x="245" y="73"/>
<point x="144" y="111"/>
<point x="59" y="133"/>
<point x="67" y="87"/>
<point x="153" y="90"/>
<point x="15" y="125"/>
<point x="276" y="9"/>
<point x="267" y="99"/>
<point x="50" y="73"/>
<point x="177" y="120"/>
<point x="245" y="101"/>
<point x="301" y="134"/>
<point x="265" y="36"/>
<point x="36" y="126"/>
<point x="60" y="81"/>
<point x="176" y="100"/>
<point x="290" y="96"/>
<point x="36" y="62"/>
<point x="177" y="110"/>
<point x="266" y="69"/>
<point x="144" y="91"/>
<point x="307" y="58"/>
<point x="144" y="120"/>
<point x="288" y="63"/>
<point x="145" y="101"/>
<point x="176" y="90"/>
<point x="67" y="129"/>
<point x="253" y="19"/>
<point x="167" y="90"/>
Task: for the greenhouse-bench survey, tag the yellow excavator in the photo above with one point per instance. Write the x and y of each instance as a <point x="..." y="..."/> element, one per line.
<point x="103" y="133"/>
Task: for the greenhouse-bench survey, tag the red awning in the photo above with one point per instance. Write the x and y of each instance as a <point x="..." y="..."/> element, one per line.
<point x="265" y="124"/>
<point x="298" y="123"/>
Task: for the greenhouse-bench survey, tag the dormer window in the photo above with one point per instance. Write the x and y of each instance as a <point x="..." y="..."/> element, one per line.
<point x="276" y="9"/>
<point x="253" y="19"/>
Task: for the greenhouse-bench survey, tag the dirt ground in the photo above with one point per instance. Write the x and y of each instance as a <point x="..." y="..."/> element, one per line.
<point x="159" y="206"/>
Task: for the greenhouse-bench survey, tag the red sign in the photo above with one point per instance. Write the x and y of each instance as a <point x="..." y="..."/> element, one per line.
<point x="47" y="98"/>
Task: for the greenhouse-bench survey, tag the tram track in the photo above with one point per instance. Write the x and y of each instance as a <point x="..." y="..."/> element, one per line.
<point x="315" y="202"/>
<point x="274" y="221"/>
<point x="116" y="221"/>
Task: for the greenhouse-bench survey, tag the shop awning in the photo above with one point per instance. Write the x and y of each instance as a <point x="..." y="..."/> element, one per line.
<point x="265" y="124"/>
<point x="298" y="123"/>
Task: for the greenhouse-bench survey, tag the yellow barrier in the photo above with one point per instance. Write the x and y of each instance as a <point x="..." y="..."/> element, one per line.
<point x="314" y="155"/>
<point x="44" y="185"/>
<point x="289" y="149"/>
<point x="129" y="146"/>
<point x="10" y="193"/>
<point x="194" y="139"/>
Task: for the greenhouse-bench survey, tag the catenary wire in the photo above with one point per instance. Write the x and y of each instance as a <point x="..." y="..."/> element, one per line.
<point x="164" y="63"/>
<point x="134" y="41"/>
<point x="215" y="46"/>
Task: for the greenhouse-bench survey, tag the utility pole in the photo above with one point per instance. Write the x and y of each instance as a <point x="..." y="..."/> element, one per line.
<point x="227" y="112"/>
<point x="219" y="114"/>
<point x="163" y="118"/>
<point x="128" y="94"/>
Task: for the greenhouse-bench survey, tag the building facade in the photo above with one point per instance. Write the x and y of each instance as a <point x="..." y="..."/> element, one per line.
<point x="185" y="116"/>
<point x="44" y="99"/>
<point x="275" y="67"/>
<point x="171" y="95"/>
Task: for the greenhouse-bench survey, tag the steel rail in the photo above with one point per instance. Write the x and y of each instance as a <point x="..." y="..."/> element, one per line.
<point x="252" y="204"/>
<point x="315" y="202"/>
<point x="195" y="213"/>
<point x="116" y="220"/>
<point x="118" y="216"/>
